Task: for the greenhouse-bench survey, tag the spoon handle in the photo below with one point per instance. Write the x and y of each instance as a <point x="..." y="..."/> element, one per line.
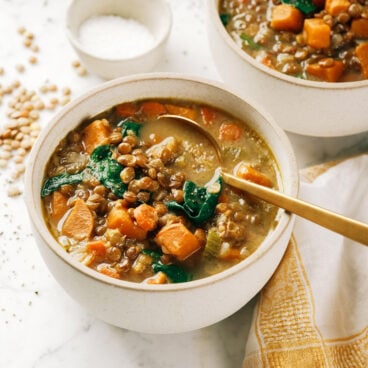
<point x="350" y="228"/>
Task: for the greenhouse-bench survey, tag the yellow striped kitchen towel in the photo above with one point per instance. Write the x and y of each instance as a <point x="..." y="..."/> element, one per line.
<point x="313" y="312"/>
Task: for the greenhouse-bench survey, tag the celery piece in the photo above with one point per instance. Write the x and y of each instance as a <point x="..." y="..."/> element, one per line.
<point x="250" y="42"/>
<point x="213" y="243"/>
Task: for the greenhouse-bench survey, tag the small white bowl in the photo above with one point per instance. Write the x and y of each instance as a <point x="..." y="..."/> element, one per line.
<point x="169" y="308"/>
<point x="154" y="15"/>
<point x="300" y="106"/>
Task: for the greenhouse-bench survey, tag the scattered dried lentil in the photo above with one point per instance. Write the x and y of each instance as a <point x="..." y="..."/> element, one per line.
<point x="20" y="68"/>
<point x="32" y="59"/>
<point x="18" y="134"/>
<point x="64" y="100"/>
<point x="52" y="88"/>
<point x="28" y="35"/>
<point x="27" y="42"/>
<point x="66" y="91"/>
<point x="21" y="30"/>
<point x="81" y="71"/>
<point x="54" y="101"/>
<point x="15" y="84"/>
<point x="14" y="191"/>
<point x="76" y="63"/>
<point x="43" y="89"/>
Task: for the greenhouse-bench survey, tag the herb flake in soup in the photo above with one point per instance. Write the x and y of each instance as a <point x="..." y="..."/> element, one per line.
<point x="140" y="198"/>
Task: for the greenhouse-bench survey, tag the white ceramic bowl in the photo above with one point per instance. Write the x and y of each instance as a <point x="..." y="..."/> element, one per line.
<point x="299" y="106"/>
<point x="154" y="15"/>
<point x="169" y="308"/>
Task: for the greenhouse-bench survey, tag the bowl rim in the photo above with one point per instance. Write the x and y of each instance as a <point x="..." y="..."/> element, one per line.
<point x="212" y="6"/>
<point x="39" y="225"/>
<point x="74" y="40"/>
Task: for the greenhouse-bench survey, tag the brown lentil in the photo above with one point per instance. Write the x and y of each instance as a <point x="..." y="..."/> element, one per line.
<point x="76" y="63"/>
<point x="32" y="59"/>
<point x="114" y="254"/>
<point x="20" y="68"/>
<point x="81" y="71"/>
<point x="123" y="266"/>
<point x="14" y="191"/>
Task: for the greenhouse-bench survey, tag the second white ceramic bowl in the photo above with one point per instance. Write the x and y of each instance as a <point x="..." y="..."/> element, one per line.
<point x="169" y="308"/>
<point x="300" y="106"/>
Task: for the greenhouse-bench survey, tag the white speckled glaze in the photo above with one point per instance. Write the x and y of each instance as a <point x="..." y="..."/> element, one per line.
<point x="155" y="15"/>
<point x="168" y="308"/>
<point x="300" y="106"/>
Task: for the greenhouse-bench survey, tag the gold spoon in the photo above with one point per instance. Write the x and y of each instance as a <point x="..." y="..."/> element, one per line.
<point x="345" y="226"/>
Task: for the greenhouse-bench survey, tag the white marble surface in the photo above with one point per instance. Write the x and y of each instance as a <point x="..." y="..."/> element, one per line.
<point x="40" y="326"/>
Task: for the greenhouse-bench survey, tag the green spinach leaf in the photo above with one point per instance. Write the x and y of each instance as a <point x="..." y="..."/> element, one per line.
<point x="174" y="272"/>
<point x="101" y="166"/>
<point x="129" y="125"/>
<point x="54" y="183"/>
<point x="225" y="18"/>
<point x="107" y="170"/>
<point x="199" y="202"/>
<point x="305" y="6"/>
<point x="250" y="42"/>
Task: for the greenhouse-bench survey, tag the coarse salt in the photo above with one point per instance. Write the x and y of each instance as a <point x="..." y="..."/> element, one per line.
<point x="114" y="37"/>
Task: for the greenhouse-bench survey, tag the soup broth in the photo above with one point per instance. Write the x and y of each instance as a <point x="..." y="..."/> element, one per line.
<point x="139" y="197"/>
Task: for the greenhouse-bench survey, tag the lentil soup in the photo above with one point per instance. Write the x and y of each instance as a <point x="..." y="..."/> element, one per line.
<point x="320" y="40"/>
<point x="139" y="198"/>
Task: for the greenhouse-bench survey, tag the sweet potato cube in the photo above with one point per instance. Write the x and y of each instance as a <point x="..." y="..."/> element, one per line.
<point x="229" y="132"/>
<point x="181" y="111"/>
<point x="79" y="223"/>
<point x="95" y="134"/>
<point x="208" y="115"/>
<point x="152" y="109"/>
<point x="59" y="206"/>
<point x="146" y="216"/>
<point x="119" y="218"/>
<point x="335" y="7"/>
<point x="159" y="278"/>
<point x="247" y="172"/>
<point x="98" y="247"/>
<point x="177" y="240"/>
<point x="361" y="52"/>
<point x="109" y="271"/>
<point x="330" y="73"/>
<point x="316" y="33"/>
<point x="285" y="17"/>
<point x="126" y="109"/>
<point x="359" y="27"/>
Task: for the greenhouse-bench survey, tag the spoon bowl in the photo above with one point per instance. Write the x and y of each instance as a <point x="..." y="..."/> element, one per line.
<point x="345" y="226"/>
